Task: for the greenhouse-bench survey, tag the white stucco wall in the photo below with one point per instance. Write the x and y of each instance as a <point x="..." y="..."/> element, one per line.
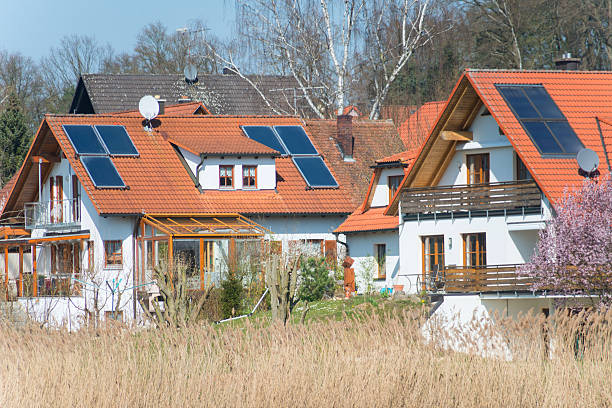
<point x="295" y="227"/>
<point x="361" y="249"/>
<point x="70" y="310"/>
<point x="381" y="190"/>
<point x="209" y="171"/>
<point x="509" y="239"/>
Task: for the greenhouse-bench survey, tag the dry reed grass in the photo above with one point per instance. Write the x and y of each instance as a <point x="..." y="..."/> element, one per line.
<point x="363" y="363"/>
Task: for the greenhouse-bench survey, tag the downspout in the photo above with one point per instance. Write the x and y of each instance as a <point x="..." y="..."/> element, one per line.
<point x="135" y="263"/>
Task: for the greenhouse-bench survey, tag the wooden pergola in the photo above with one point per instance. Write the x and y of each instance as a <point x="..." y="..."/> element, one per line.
<point x="203" y="227"/>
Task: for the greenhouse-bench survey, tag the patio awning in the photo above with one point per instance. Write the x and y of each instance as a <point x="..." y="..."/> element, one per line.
<point x="205" y="225"/>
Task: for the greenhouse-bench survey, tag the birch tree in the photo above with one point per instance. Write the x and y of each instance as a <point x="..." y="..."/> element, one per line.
<point x="322" y="44"/>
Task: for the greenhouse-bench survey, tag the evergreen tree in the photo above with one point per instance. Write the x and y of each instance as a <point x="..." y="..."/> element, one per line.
<point x="14" y="138"/>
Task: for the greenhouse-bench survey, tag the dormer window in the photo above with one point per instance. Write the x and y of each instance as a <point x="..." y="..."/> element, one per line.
<point x="249" y="176"/>
<point x="226" y="176"/>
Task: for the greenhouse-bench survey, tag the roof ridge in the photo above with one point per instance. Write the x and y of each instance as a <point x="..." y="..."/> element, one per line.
<point x="535" y="71"/>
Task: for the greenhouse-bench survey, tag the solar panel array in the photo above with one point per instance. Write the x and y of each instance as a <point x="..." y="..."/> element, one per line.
<point x="293" y="141"/>
<point x="95" y="146"/>
<point x="542" y="119"/>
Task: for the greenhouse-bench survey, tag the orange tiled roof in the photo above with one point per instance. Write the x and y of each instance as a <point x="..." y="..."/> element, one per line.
<point x="350" y="108"/>
<point x="581" y="95"/>
<point x="404" y="157"/>
<point x="6" y="191"/>
<point x="159" y="183"/>
<point x="416" y="128"/>
<point x="373" y="219"/>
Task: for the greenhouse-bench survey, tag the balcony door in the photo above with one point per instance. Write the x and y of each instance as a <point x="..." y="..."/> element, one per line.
<point x="475" y="249"/>
<point x="433" y="257"/>
<point x="56" y="191"/>
<point x="477" y="168"/>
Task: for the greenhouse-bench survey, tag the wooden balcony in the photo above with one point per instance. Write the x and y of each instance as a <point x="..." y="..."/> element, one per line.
<point x="488" y="278"/>
<point x="514" y="196"/>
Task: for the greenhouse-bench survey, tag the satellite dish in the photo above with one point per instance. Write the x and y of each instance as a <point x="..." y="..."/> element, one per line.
<point x="587" y="160"/>
<point x="148" y="107"/>
<point x="191" y="73"/>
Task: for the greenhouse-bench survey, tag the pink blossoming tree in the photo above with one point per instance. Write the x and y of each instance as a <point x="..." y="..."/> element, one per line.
<point x="574" y="252"/>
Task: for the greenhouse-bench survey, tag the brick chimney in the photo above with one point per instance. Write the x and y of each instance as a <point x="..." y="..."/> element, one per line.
<point x="344" y="135"/>
<point x="162" y="106"/>
<point x="567" y="63"/>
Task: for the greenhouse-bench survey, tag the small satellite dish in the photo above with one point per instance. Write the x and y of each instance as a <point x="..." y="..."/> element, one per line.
<point x="587" y="160"/>
<point x="191" y="73"/>
<point x="148" y="107"/>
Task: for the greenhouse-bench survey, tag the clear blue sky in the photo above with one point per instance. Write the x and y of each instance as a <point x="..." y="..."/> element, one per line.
<point x="32" y="27"/>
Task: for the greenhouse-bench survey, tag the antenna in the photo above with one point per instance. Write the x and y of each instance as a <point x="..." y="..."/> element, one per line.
<point x="149" y="109"/>
<point x="191" y="74"/>
<point x="587" y="160"/>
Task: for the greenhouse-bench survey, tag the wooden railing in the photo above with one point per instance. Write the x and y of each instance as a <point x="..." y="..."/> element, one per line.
<point x="472" y="197"/>
<point x="489" y="278"/>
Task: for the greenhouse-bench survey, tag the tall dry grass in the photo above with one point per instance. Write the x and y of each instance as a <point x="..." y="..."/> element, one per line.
<point x="364" y="363"/>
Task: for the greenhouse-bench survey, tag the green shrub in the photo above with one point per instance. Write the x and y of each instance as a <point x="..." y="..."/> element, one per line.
<point x="232" y="296"/>
<point x="315" y="280"/>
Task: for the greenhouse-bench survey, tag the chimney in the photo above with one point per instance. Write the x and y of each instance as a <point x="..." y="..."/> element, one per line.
<point x="162" y="105"/>
<point x="567" y="63"/>
<point x="344" y="135"/>
<point x="229" y="71"/>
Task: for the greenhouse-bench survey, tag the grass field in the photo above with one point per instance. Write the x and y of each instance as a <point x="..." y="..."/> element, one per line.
<point x="377" y="361"/>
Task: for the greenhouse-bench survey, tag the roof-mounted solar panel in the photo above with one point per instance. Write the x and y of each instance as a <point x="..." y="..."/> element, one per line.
<point x="542" y="119"/>
<point x="117" y="140"/>
<point x="84" y="139"/>
<point x="102" y="172"/>
<point x="266" y="136"/>
<point x="296" y="139"/>
<point x="315" y="171"/>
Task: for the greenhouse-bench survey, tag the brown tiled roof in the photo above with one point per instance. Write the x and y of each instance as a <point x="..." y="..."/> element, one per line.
<point x="221" y="94"/>
<point x="397" y="113"/>
<point x="6" y="190"/>
<point x="373" y="139"/>
<point x="417" y="127"/>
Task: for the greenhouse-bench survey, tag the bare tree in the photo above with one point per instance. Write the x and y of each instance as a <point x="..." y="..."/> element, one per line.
<point x="386" y="56"/>
<point x="75" y="55"/>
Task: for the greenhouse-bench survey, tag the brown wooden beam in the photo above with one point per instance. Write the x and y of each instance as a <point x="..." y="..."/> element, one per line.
<point x="34" y="273"/>
<point x="20" y="284"/>
<point x="457" y="135"/>
<point x="46" y="159"/>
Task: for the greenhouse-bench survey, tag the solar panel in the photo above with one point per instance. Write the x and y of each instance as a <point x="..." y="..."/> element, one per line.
<point x="84" y="139"/>
<point x="315" y="171"/>
<point x="296" y="139"/>
<point x="543" y="102"/>
<point x="102" y="171"/>
<point x="117" y="140"/>
<point x="542" y="119"/>
<point x="516" y="98"/>
<point x="266" y="136"/>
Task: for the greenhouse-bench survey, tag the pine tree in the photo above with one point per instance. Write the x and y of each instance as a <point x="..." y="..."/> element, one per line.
<point x="14" y="138"/>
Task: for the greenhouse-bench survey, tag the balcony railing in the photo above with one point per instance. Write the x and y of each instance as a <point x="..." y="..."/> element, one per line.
<point x="504" y="196"/>
<point x="60" y="214"/>
<point x="470" y="279"/>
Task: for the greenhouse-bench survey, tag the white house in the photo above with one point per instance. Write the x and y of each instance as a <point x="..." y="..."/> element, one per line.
<point x="501" y="155"/>
<point x="102" y="199"/>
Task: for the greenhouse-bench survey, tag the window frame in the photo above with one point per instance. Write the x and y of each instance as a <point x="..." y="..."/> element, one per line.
<point x="390" y="178"/>
<point x="439" y="255"/>
<point x="520" y="169"/>
<point x="231" y="178"/>
<point x="248" y="176"/>
<point x="480" y="251"/>
<point x="381" y="261"/>
<point x="481" y="171"/>
<point x="113" y="254"/>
